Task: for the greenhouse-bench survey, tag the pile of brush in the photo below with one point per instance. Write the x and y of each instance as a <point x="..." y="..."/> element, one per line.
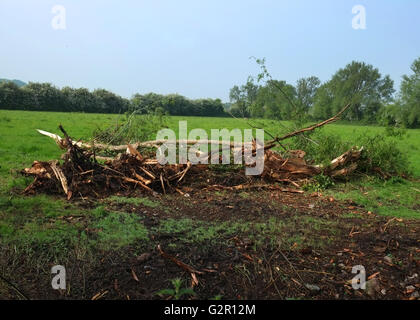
<point x="82" y="173"/>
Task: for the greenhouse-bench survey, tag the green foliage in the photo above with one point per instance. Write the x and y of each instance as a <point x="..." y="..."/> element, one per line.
<point x="274" y="103"/>
<point x="134" y="128"/>
<point x="19" y="138"/>
<point x="306" y="89"/>
<point x="177" y="292"/>
<point x="381" y="150"/>
<point x="319" y="183"/>
<point x="406" y="110"/>
<point x="395" y="181"/>
<point x="42" y="96"/>
<point x="363" y="86"/>
<point x="384" y="153"/>
<point x="359" y="84"/>
<point x="242" y="98"/>
<point x="276" y="99"/>
<point x="46" y="97"/>
<point x="410" y="96"/>
<point x="391" y="116"/>
<point x="11" y="96"/>
<point x="395" y="132"/>
<point x="321" y="147"/>
<point x="175" y="104"/>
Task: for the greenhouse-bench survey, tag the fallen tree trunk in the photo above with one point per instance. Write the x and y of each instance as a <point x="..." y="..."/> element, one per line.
<point x="82" y="174"/>
<point x="152" y="143"/>
<point x="313" y="127"/>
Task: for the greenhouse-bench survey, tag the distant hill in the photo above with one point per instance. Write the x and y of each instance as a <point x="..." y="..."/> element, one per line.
<point x="19" y="83"/>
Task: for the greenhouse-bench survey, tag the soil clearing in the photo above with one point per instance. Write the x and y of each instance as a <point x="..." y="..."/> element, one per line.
<point x="321" y="239"/>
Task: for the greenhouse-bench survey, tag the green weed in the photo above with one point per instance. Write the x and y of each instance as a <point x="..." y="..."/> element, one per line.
<point x="177" y="292"/>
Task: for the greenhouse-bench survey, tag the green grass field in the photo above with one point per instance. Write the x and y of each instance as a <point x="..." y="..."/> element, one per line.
<point x="44" y="229"/>
<point x="20" y="145"/>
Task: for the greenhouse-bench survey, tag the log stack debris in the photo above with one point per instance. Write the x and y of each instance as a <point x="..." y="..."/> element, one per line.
<point x="84" y="174"/>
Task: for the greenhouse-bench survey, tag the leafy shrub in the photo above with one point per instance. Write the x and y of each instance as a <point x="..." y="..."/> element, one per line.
<point x="381" y="150"/>
<point x="177" y="292"/>
<point x="384" y="153"/>
<point x="395" y="180"/>
<point x="321" y="148"/>
<point x="395" y="132"/>
<point x="390" y="115"/>
<point x="319" y="183"/>
<point x="134" y="128"/>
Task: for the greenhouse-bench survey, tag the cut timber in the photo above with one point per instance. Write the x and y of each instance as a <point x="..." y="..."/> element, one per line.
<point x="80" y="172"/>
<point x="133" y="151"/>
<point x="153" y="143"/>
<point x="60" y="177"/>
<point x="344" y="165"/>
<point x="139" y="177"/>
<point x="37" y="169"/>
<point x="349" y="156"/>
<point x="62" y="143"/>
<point x="57" y="138"/>
<point x="286" y="169"/>
<point x="137" y="182"/>
<point x="344" y="172"/>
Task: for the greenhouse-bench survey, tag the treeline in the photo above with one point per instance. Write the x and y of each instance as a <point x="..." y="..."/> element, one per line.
<point x="177" y="105"/>
<point x="371" y="95"/>
<point x="46" y="97"/>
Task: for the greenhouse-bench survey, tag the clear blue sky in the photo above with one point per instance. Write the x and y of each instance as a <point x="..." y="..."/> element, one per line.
<point x="200" y="48"/>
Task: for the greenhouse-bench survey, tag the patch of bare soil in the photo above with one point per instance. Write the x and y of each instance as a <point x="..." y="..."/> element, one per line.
<point x="235" y="267"/>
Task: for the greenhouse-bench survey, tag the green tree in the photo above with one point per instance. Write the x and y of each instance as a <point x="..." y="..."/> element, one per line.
<point x="83" y="100"/>
<point x="410" y="96"/>
<point x="359" y="84"/>
<point x="323" y="102"/>
<point x="177" y="105"/>
<point x="243" y="97"/>
<point x="391" y="115"/>
<point x="112" y="103"/>
<point x="42" y="96"/>
<point x="280" y="100"/>
<point x="11" y="96"/>
<point x="146" y="103"/>
<point x="306" y="89"/>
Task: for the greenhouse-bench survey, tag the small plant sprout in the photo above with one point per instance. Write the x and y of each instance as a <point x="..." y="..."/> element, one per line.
<point x="177" y="292"/>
